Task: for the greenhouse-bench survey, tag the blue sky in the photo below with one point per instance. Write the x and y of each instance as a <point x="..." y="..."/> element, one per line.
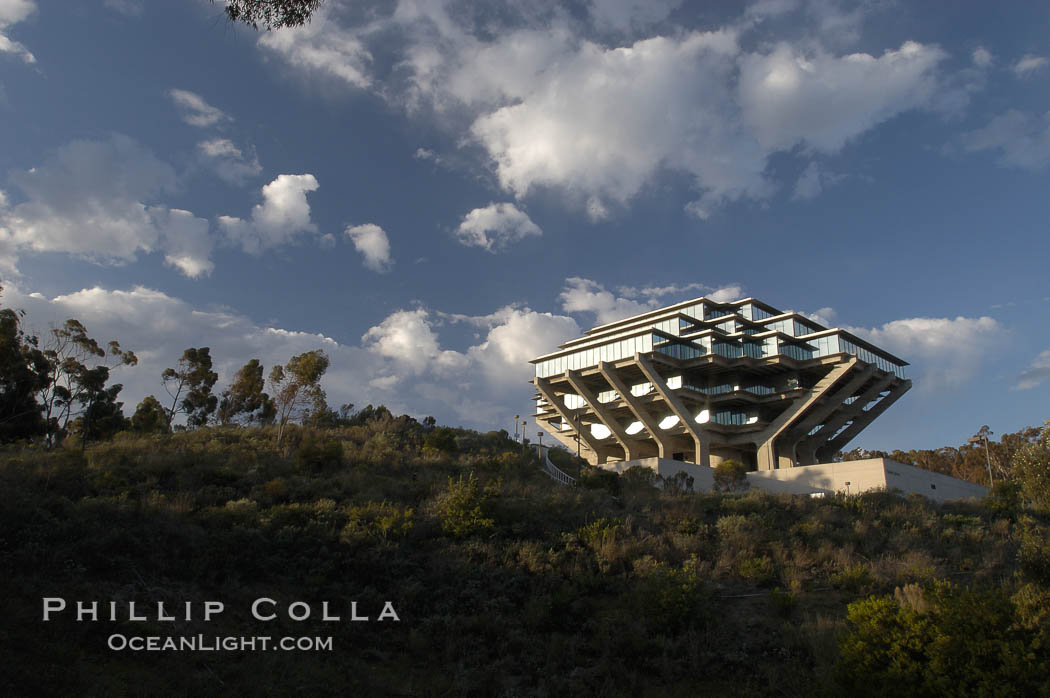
<point x="434" y="193"/>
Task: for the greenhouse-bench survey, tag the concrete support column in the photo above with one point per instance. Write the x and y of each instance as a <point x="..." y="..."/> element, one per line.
<point x="664" y="447"/>
<point x="629" y="445"/>
<point x="702" y="454"/>
<point x="544" y="387"/>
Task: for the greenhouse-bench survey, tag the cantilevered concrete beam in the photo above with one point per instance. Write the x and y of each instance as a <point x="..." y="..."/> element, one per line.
<point x="832" y="402"/>
<point x="630" y="446"/>
<point x="807" y="448"/>
<point x="768" y="456"/>
<point x="663" y="442"/>
<point x="862" y="420"/>
<point x="543" y="385"/>
<point x="703" y="453"/>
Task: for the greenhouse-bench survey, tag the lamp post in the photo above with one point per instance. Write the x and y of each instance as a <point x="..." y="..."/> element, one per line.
<point x="539" y="446"/>
<point x="980" y="436"/>
<point x="516" y="418"/>
<point x="577" y="418"/>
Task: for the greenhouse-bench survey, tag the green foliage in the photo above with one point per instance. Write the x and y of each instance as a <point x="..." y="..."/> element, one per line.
<point x="23" y="371"/>
<point x="271" y="14"/>
<point x="297" y="387"/>
<point x="730" y="476"/>
<point x="440" y="441"/>
<point x="150" y="417"/>
<point x="318" y="455"/>
<point x="943" y="641"/>
<point x="189" y="385"/>
<point x="462" y="507"/>
<point x="1032" y="467"/>
<point x="599" y="479"/>
<point x="245" y="400"/>
<point x="382" y="520"/>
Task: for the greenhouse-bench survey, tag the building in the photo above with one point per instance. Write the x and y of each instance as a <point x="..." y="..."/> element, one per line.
<point x="703" y="381"/>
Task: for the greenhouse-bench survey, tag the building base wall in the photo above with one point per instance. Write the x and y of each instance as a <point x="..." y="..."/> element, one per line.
<point x="849" y="477"/>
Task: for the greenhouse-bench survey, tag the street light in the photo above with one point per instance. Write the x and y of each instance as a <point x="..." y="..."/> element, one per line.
<point x="577" y="418"/>
<point x="980" y="436"/>
<point x="516" y="418"/>
<point x="539" y="446"/>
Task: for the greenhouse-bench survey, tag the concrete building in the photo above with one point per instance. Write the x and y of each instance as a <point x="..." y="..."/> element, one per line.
<point x="702" y="381"/>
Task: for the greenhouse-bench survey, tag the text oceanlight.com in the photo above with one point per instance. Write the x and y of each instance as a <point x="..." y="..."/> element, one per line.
<point x="214" y="643"/>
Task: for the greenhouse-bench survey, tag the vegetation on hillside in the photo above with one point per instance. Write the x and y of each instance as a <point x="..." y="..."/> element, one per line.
<point x="504" y="582"/>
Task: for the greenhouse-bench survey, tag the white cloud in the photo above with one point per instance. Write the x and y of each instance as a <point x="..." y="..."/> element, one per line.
<point x="323" y="46"/>
<point x="982" y="57"/>
<point x="1036" y="373"/>
<point x="407" y="338"/>
<point x="539" y="96"/>
<point x="586" y="296"/>
<point x="946" y="352"/>
<point x="1022" y="139"/>
<point x="495" y="227"/>
<point x="371" y="241"/>
<point x="228" y="161"/>
<point x="822" y="101"/>
<point x="100" y="200"/>
<point x="813" y="181"/>
<point x="195" y="111"/>
<point x="188" y="243"/>
<point x="1029" y="64"/>
<point x="131" y="8"/>
<point x="682" y="292"/>
<point x="283" y="213"/>
<point x="12" y="12"/>
<point x="517" y="336"/>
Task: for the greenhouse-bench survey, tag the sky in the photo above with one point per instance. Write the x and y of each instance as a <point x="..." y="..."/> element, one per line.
<point x="436" y="192"/>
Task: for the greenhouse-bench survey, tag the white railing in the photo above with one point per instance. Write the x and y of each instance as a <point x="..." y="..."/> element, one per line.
<point x="555" y="473"/>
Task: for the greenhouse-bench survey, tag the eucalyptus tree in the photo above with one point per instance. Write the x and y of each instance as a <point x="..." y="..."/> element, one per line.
<point x="296" y="387"/>
<point x="189" y="386"/>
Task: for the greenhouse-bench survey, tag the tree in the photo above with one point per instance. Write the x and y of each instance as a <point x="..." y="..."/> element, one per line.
<point x="23" y="374"/>
<point x="245" y="398"/>
<point x="189" y="385"/>
<point x="73" y="374"/>
<point x="272" y="14"/>
<point x="730" y="476"/>
<point x="103" y="416"/>
<point x="297" y="387"/>
<point x="1031" y="466"/>
<point x="150" y="417"/>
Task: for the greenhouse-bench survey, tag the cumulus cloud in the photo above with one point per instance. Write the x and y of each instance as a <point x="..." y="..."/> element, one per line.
<point x="516" y="336"/>
<point x="1029" y="64"/>
<point x="321" y="45"/>
<point x="495" y="227"/>
<point x="228" y="161"/>
<point x="195" y="111"/>
<point x="282" y="215"/>
<point x="982" y="57"/>
<point x="1022" y="139"/>
<point x="945" y="351"/>
<point x="100" y="200"/>
<point x="581" y="106"/>
<point x="371" y="241"/>
<point x="586" y="296"/>
<point x="408" y="338"/>
<point x="1035" y="374"/>
<point x="12" y="12"/>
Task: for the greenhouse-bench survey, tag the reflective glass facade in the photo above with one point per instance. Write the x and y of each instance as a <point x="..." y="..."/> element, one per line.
<point x="697" y="329"/>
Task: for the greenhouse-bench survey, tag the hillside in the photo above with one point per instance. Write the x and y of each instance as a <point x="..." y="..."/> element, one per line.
<point x="504" y="582"/>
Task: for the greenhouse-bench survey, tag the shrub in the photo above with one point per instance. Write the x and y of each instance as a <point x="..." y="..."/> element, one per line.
<point x="461" y="507"/>
<point x="945" y="641"/>
<point x="731" y="476"/>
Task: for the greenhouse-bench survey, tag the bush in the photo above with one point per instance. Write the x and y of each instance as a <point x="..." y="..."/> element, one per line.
<point x="731" y="476"/>
<point x="462" y="507"/>
<point x="944" y="641"/>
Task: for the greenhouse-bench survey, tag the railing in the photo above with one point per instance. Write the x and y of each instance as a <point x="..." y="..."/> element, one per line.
<point x="555" y="473"/>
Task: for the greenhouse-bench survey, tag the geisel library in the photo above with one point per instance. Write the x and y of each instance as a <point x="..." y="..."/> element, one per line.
<point x="685" y="387"/>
